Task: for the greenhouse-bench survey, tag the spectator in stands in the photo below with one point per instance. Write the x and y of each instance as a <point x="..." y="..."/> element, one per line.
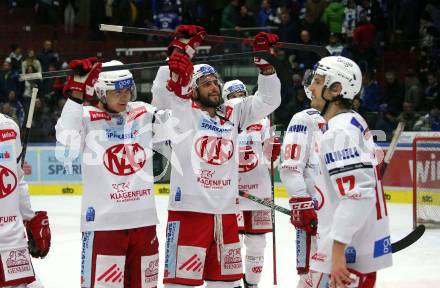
<point x="319" y="32"/>
<point x="350" y="19"/>
<point x="46" y="11"/>
<point x="408" y="116"/>
<point x="394" y="92"/>
<point x="387" y="121"/>
<point x="315" y="8"/>
<point x="305" y="59"/>
<point x="231" y="15"/>
<point x="266" y="16"/>
<point x="30" y="60"/>
<point x="429" y="122"/>
<point x="363" y="10"/>
<point x="364" y="36"/>
<point x="47" y="56"/>
<point x="51" y="88"/>
<point x="7" y="110"/>
<point x="371" y="93"/>
<point x="167" y="16"/>
<point x="28" y="85"/>
<point x="17" y="107"/>
<point x="70" y="7"/>
<point x="333" y="16"/>
<point x="413" y="90"/>
<point x="409" y="20"/>
<point x="41" y="131"/>
<point x="16" y="58"/>
<point x="335" y="48"/>
<point x="247" y="18"/>
<point x="8" y="80"/>
<point x="288" y="30"/>
<point x="432" y="90"/>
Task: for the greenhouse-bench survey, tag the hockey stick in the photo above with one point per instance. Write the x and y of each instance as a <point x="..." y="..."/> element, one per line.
<point x="403" y="243"/>
<point x="392" y="148"/>
<point x="272" y="184"/>
<point x="320" y="50"/>
<point x="150" y="65"/>
<point x="28" y="127"/>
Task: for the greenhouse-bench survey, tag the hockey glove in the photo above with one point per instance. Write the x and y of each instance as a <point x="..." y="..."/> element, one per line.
<point x="272" y="148"/>
<point x="187" y="38"/>
<point x="181" y="70"/>
<point x="86" y="72"/>
<point x="303" y="214"/>
<point x="39" y="236"/>
<point x="264" y="42"/>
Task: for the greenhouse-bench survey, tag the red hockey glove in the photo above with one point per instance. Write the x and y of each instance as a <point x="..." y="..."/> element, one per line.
<point x="187" y="38"/>
<point x="38" y="232"/>
<point x="272" y="148"/>
<point x="181" y="70"/>
<point x="264" y="42"/>
<point x="86" y="72"/>
<point x="303" y="214"/>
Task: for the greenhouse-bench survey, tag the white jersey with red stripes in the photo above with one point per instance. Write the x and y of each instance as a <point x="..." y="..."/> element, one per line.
<point x="117" y="163"/>
<point x="353" y="211"/>
<point x="14" y="197"/>
<point x="254" y="175"/>
<point x="205" y="157"/>
<point x="300" y="166"/>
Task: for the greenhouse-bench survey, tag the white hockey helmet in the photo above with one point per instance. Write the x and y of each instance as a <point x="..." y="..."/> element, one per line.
<point x="201" y="70"/>
<point x="232" y="87"/>
<point x="336" y="69"/>
<point x="114" y="80"/>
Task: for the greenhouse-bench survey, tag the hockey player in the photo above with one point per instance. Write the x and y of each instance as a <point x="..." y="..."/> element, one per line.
<point x="202" y="232"/>
<point x="15" y="263"/>
<point x="254" y="220"/>
<point x="118" y="213"/>
<point x="353" y="237"/>
<point x="298" y="172"/>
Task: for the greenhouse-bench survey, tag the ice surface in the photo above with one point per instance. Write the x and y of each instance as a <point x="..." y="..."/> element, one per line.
<point x="415" y="267"/>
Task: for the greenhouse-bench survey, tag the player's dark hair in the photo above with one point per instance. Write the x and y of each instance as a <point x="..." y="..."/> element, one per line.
<point x="346" y="103"/>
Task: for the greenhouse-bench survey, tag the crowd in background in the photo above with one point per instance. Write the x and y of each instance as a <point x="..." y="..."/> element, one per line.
<point x="362" y="30"/>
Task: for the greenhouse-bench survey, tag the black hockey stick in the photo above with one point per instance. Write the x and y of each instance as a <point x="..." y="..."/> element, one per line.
<point x="403" y="243"/>
<point x="151" y="64"/>
<point x="27" y="130"/>
<point x="320" y="50"/>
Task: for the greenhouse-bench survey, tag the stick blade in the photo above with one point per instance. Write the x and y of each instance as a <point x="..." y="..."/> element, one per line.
<point x="408" y="240"/>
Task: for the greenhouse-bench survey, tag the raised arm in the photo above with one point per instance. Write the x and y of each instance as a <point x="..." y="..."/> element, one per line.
<point x="70" y="127"/>
<point x="268" y="96"/>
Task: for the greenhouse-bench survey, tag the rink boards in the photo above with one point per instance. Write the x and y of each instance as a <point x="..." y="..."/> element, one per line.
<point x="47" y="176"/>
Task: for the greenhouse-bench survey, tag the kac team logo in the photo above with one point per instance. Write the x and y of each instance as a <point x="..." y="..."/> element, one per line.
<point x="248" y="159"/>
<point x="124" y="159"/>
<point x="214" y="150"/>
<point x="8" y="181"/>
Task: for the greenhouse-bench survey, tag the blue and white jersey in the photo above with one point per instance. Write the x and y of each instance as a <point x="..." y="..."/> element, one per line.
<point x="353" y="211"/>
